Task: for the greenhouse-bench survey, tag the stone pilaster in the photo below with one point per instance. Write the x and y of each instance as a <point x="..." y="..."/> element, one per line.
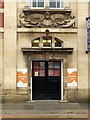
<point x="81" y="44"/>
<point x="10" y="37"/>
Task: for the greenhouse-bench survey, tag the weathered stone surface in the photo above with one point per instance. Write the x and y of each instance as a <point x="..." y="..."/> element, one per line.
<point x="83" y="95"/>
<point x="14" y="58"/>
<point x="11" y="95"/>
<point x="46" y="18"/>
<point x="72" y="95"/>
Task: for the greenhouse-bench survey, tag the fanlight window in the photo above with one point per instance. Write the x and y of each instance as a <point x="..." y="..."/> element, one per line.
<point x="47" y="41"/>
<point x="35" y="42"/>
<point x="58" y="43"/>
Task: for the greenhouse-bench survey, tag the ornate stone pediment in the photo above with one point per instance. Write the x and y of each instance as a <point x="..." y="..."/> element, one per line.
<point x="45" y="18"/>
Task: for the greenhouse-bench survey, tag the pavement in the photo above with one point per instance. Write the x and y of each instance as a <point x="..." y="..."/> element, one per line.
<point x="45" y="109"/>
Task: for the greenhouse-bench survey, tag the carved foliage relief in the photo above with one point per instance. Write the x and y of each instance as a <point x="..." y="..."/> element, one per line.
<point x="46" y="19"/>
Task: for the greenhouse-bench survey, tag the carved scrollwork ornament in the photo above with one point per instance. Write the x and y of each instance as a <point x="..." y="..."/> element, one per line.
<point x="46" y="19"/>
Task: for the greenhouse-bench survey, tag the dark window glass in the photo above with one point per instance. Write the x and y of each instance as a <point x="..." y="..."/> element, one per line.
<point x="40" y="3"/>
<point x="58" y="43"/>
<point x="53" y="3"/>
<point x="58" y="3"/>
<point x="37" y="3"/>
<point x="34" y="3"/>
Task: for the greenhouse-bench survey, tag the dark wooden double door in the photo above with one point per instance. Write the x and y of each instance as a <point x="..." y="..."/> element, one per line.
<point x="46" y="80"/>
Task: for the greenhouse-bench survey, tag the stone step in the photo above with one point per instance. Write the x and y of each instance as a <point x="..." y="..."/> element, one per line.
<point x="45" y="105"/>
<point x="55" y="105"/>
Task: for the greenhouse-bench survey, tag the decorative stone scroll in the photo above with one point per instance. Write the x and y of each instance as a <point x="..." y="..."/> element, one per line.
<point x="46" y="18"/>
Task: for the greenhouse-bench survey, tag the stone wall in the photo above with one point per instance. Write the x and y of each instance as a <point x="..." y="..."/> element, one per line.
<point x="11" y="95"/>
<point x="69" y="61"/>
<point x="82" y="56"/>
<point x="15" y="39"/>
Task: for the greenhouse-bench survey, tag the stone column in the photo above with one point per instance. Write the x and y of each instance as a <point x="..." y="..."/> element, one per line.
<point x="10" y="38"/>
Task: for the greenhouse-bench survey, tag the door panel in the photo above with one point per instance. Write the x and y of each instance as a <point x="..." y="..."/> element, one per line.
<point x="46" y="82"/>
<point x="38" y="81"/>
<point x="38" y="88"/>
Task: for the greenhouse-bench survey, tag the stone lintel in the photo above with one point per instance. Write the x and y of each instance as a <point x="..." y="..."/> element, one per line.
<point x="43" y="50"/>
<point x="51" y="30"/>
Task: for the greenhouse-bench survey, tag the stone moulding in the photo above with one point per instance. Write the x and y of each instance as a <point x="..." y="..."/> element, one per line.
<point x="51" y="30"/>
<point x="46" y="18"/>
<point x="44" y="50"/>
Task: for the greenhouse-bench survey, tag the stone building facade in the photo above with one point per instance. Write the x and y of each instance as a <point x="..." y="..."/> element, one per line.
<point x="43" y="51"/>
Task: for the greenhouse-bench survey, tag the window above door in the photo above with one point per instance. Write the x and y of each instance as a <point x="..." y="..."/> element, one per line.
<point x="47" y="41"/>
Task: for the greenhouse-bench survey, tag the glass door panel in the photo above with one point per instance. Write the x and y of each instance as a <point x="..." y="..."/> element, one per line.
<point x="39" y="68"/>
<point x="53" y="68"/>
